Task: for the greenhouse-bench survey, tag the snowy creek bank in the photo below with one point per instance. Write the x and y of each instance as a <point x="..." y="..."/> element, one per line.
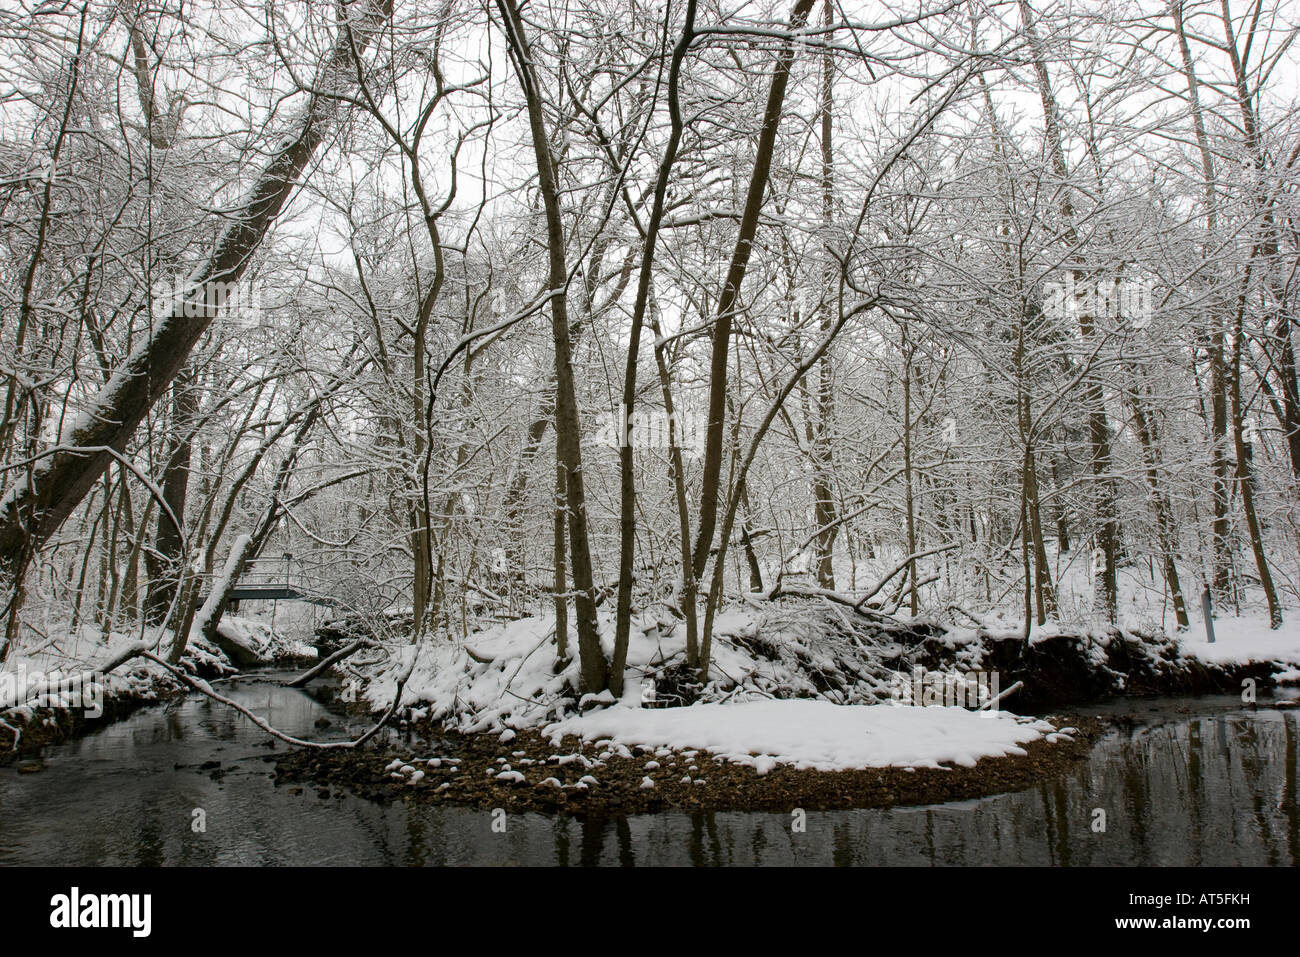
<point x="506" y="676"/>
<point x="802" y="705"/>
<point x="1062" y="668"/>
<point x="31" y="720"/>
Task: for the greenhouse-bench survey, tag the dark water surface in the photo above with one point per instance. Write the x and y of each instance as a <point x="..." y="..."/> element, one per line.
<point x="1181" y="781"/>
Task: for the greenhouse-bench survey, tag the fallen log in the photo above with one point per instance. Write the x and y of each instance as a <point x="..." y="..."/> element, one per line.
<point x="50" y="689"/>
<point x="45" y="689"/>
<point x="1006" y="694"/>
<point x="325" y="665"/>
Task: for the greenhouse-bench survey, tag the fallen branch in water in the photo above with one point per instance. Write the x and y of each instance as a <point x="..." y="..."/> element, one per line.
<point x="203" y="687"/>
<point x="138" y="650"/>
<point x="333" y="659"/>
<point x="16" y="732"/>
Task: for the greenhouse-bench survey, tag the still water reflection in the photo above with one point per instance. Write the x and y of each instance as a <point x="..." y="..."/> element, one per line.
<point x="1185" y="781"/>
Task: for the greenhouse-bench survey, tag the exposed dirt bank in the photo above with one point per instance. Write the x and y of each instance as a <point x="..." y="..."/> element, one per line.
<point x="1059" y="671"/>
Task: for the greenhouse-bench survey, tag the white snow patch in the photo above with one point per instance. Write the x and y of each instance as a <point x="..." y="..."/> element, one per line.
<point x="814" y="734"/>
<point x="1239" y="640"/>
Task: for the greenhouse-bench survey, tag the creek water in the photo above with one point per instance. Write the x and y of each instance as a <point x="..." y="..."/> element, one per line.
<point x="1181" y="781"/>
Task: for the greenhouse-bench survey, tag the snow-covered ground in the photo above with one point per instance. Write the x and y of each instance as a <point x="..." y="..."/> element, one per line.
<point x="29" y="670"/>
<point x="761" y="706"/>
<point x="813" y="734"/>
<point x="504" y="676"/>
<point x="1244" y="639"/>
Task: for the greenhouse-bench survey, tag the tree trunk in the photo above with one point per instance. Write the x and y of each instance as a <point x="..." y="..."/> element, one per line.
<point x="1221" y="559"/>
<point x="592" y="665"/>
<point x="824" y="513"/>
<point x="627" y="475"/>
<point x="1148" y="439"/>
<point x="910" y="514"/>
<point x="560" y="582"/>
<point x="1104" y="496"/>
<point x="30" y="514"/>
<point x="166" y="562"/>
<point x="688" y="599"/>
<point x="729" y="299"/>
<point x="1245" y="480"/>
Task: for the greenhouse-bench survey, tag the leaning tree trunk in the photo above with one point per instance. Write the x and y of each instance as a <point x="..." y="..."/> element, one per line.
<point x="729" y="300"/>
<point x="31" y="513"/>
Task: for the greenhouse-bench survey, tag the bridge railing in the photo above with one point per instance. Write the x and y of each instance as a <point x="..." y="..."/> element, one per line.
<point x="270" y="571"/>
<point x="276" y="578"/>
